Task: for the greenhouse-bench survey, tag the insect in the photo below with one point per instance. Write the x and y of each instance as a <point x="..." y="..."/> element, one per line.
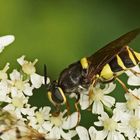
<point x="105" y="66"/>
<point x="20" y="130"/>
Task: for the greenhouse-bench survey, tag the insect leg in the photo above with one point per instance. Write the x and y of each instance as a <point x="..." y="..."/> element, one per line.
<point x="68" y="107"/>
<point x="135" y="72"/>
<point x="125" y="88"/>
<point x="76" y="106"/>
<point x="57" y="112"/>
<point x="122" y="84"/>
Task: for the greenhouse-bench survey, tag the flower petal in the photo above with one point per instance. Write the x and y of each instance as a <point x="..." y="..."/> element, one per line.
<point x="82" y="133"/>
<point x="115" y="136"/>
<point x="5" y="41"/>
<point x="21" y="60"/>
<point x="97" y="107"/>
<point x="108" y="101"/>
<point x="28" y="89"/>
<point x="47" y="125"/>
<point x="71" y="121"/>
<point x="37" y="80"/>
<point x="96" y="135"/>
<point x="15" y="75"/>
<point x="133" y="79"/>
<point x="84" y="102"/>
<point x="109" y="88"/>
<point x="68" y="135"/>
<point x="55" y="133"/>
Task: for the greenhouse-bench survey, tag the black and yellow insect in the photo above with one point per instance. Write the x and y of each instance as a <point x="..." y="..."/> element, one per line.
<point x="103" y="66"/>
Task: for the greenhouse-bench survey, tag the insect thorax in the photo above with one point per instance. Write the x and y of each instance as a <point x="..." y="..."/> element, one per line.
<point x="72" y="77"/>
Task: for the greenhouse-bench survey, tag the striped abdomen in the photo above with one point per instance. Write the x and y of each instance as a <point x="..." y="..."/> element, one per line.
<point x="125" y="60"/>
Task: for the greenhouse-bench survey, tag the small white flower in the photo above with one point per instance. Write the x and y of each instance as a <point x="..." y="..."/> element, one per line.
<point x="133" y="80"/>
<point x="98" y="97"/>
<point x="130" y="126"/>
<point x="17" y="104"/>
<point x="27" y="66"/>
<point x="5" y="41"/>
<point x="39" y="117"/>
<point x="19" y="84"/>
<point x="54" y="127"/>
<point x="61" y="124"/>
<point x="131" y="104"/>
<point x="29" y="69"/>
<point x="110" y="127"/>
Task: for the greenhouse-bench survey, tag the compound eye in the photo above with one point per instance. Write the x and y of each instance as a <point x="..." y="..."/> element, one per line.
<point x="58" y="95"/>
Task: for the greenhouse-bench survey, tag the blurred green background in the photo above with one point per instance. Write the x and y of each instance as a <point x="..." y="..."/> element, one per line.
<point x="59" y="32"/>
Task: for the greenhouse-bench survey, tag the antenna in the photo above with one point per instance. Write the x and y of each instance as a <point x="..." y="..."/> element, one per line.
<point x="45" y="77"/>
<point x="45" y="74"/>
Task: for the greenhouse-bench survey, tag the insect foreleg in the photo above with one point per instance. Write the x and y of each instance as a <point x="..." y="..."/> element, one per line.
<point x="57" y="112"/>
<point x="76" y="106"/>
<point x="68" y="107"/>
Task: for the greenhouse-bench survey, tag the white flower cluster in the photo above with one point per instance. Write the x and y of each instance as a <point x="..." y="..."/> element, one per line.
<point x="21" y="121"/>
<point x="15" y="90"/>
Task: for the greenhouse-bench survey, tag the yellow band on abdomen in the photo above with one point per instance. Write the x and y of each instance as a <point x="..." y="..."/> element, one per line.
<point x="120" y="62"/>
<point x="137" y="55"/>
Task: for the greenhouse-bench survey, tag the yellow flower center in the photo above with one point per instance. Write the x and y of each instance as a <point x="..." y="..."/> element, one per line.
<point x="132" y="103"/>
<point x="28" y="68"/>
<point x="19" y="84"/>
<point x="135" y="122"/>
<point x="97" y="96"/>
<point x="18" y="102"/>
<point x="110" y="124"/>
<point x="39" y="117"/>
<point x="57" y="121"/>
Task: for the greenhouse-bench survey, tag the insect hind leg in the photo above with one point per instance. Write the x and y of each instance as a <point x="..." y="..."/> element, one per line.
<point x="125" y="88"/>
<point x="135" y="72"/>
